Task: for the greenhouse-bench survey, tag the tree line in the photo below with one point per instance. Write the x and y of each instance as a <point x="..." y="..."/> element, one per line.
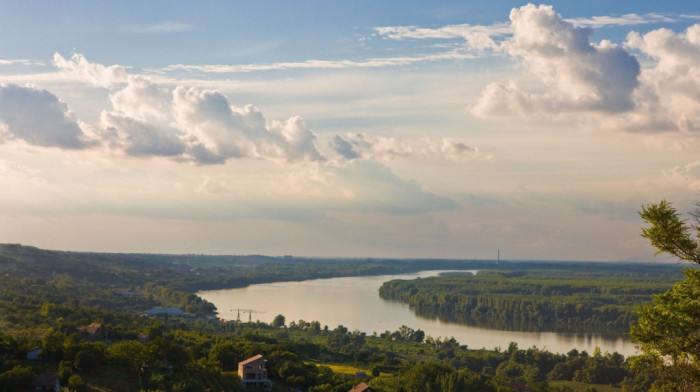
<point x="572" y="300"/>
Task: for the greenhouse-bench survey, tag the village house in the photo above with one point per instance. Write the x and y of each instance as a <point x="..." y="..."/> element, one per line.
<point x="96" y="331"/>
<point x="253" y="373"/>
<point x="34" y="354"/>
<point x="362" y="387"/>
<point x="47" y="383"/>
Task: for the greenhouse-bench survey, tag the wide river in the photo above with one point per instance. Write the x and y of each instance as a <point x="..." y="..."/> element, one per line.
<point x="355" y="303"/>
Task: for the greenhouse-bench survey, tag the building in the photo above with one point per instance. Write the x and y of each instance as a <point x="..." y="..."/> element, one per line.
<point x="34" y="354"/>
<point x="47" y="383"/>
<point x="253" y="373"/>
<point x="97" y="331"/>
<point x="362" y="387"/>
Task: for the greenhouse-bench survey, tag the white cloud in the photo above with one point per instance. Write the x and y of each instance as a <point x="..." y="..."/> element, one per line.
<point x="139" y="138"/>
<point x="482" y="37"/>
<point x="361" y="145"/>
<point x="624" y="20"/>
<point x="507" y="100"/>
<point x="220" y="130"/>
<point x="39" y="118"/>
<point x="186" y="123"/>
<point x="80" y="69"/>
<point x="13" y="61"/>
<point x="671" y="93"/>
<point x="321" y="64"/>
<point x="476" y="37"/>
<point x="167" y="27"/>
<point x="143" y="100"/>
<point x="579" y="75"/>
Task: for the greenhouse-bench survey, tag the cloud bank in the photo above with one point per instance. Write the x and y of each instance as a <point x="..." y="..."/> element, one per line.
<point x="579" y="75"/>
<point x="186" y="123"/>
<point x="39" y="118"/>
<point x="147" y="119"/>
<point x="671" y="84"/>
<point x="361" y="145"/>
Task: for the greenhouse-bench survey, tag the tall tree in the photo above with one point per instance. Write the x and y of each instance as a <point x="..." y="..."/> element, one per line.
<point x="278" y="321"/>
<point x="669" y="233"/>
<point x="669" y="328"/>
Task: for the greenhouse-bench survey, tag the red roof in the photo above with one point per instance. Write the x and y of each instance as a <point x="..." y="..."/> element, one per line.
<point x="91" y="329"/>
<point x="361" y="387"/>
<point x="251" y="359"/>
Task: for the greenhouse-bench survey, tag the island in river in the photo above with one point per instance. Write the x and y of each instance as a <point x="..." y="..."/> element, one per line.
<point x="354" y="302"/>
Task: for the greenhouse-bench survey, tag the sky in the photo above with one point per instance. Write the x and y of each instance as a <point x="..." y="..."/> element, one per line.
<point x="406" y="129"/>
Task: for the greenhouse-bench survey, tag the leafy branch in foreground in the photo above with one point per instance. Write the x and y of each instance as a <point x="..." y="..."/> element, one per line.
<point x="669" y="328"/>
<point x="668" y="233"/>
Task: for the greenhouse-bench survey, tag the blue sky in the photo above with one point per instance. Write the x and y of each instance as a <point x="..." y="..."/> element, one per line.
<point x="386" y="129"/>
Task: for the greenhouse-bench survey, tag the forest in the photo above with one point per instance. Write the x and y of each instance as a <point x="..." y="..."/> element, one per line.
<point x="86" y="312"/>
<point x="578" y="299"/>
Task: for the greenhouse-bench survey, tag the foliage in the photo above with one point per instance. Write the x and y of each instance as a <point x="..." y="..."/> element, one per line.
<point x="669" y="233"/>
<point x="19" y="378"/>
<point x="577" y="299"/>
<point x="278" y="321"/>
<point x="669" y="328"/>
<point x="47" y="298"/>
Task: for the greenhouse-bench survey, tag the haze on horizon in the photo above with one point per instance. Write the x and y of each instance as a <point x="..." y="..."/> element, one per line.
<point x="399" y="129"/>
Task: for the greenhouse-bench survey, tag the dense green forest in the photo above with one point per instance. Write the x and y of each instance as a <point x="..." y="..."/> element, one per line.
<point x="85" y="311"/>
<point x="602" y="299"/>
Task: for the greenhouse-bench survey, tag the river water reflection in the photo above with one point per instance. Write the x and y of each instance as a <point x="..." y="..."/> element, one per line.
<point x="355" y="303"/>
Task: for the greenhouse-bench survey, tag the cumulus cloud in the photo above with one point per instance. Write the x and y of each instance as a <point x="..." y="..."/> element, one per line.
<point x="508" y="100"/>
<point x="144" y="100"/>
<point x="579" y="75"/>
<point x="671" y="93"/>
<point x="77" y="67"/>
<point x="139" y="138"/>
<point x="186" y="123"/>
<point x="343" y="147"/>
<point x="220" y="130"/>
<point x="361" y="145"/>
<point x="39" y="118"/>
<point x="582" y="77"/>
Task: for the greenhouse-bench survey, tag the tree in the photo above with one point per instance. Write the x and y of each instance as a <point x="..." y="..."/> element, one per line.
<point x="669" y="332"/>
<point x="76" y="383"/>
<point x="225" y="354"/>
<point x="278" y="321"/>
<point x="669" y="233"/>
<point x="669" y="328"/>
<point x="19" y="378"/>
<point x="130" y="354"/>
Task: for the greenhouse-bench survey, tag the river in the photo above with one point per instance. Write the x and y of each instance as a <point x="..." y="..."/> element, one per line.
<point x="355" y="303"/>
